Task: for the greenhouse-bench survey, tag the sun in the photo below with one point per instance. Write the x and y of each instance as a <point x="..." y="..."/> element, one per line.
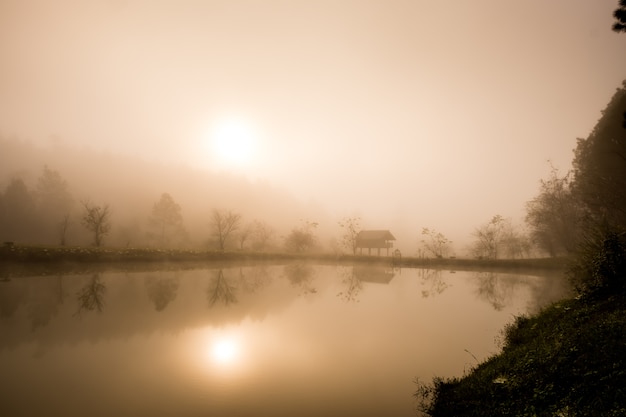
<point x="224" y="351"/>
<point x="233" y="143"/>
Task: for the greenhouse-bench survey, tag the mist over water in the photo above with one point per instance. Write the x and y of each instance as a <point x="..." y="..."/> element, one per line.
<point x="279" y="340"/>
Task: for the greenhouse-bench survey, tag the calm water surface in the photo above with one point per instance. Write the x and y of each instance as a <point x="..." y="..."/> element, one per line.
<point x="289" y="340"/>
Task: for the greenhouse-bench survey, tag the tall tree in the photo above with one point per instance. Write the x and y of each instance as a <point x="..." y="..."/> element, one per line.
<point x="351" y="228"/>
<point x="18" y="219"/>
<point x="97" y="219"/>
<point x="223" y="224"/>
<point x="600" y="165"/>
<point x="55" y="203"/>
<point x="167" y="220"/>
<point x="554" y="216"/>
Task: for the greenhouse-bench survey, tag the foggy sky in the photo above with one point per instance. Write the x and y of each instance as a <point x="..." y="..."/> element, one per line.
<point x="409" y="113"/>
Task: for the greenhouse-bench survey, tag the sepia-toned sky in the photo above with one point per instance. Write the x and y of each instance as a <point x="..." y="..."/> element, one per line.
<point x="418" y="112"/>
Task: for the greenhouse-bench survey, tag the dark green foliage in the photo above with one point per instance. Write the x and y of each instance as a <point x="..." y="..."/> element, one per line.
<point x="554" y="216"/>
<point x="601" y="264"/>
<point x="600" y="166"/>
<point x="620" y="17"/>
<point x="566" y="361"/>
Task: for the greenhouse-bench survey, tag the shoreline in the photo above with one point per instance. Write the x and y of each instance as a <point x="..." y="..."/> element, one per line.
<point x="41" y="259"/>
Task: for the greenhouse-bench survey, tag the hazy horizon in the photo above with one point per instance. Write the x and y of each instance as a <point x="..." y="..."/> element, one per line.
<point x="409" y="114"/>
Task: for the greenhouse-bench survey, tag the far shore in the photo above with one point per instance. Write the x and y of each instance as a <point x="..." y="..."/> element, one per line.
<point x="41" y="259"/>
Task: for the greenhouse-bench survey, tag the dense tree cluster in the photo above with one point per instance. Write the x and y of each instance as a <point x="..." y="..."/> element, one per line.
<point x="499" y="238"/>
<point x="554" y="215"/>
<point x="600" y="165"/>
<point x="41" y="215"/>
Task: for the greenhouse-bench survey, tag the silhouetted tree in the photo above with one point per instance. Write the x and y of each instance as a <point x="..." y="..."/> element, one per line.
<point x="599" y="184"/>
<point x="351" y="228"/>
<point x="223" y="224"/>
<point x="600" y="166"/>
<point x="167" y="219"/>
<point x="97" y="220"/>
<point x="554" y="216"/>
<point x="620" y="17"/>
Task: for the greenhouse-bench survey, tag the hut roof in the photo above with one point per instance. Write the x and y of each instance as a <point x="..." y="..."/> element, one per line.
<point x="375" y="235"/>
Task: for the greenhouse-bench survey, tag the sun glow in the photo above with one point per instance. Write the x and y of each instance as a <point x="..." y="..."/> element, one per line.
<point x="224" y="352"/>
<point x="233" y="142"/>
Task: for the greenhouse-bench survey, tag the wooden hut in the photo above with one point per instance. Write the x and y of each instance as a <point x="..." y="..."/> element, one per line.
<point x="374" y="239"/>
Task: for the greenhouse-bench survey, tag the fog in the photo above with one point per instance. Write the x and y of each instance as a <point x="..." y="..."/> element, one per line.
<point x="408" y="114"/>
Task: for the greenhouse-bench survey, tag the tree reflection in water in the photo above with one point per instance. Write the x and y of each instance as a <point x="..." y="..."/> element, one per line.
<point x="12" y="295"/>
<point x="45" y="302"/>
<point x="301" y="275"/>
<point x="91" y="296"/>
<point x="353" y="285"/>
<point x="432" y="281"/>
<point x="254" y="279"/>
<point x="497" y="289"/>
<point x="162" y="290"/>
<point x="221" y="290"/>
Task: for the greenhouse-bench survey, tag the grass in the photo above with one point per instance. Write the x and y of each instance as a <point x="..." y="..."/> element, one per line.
<point x="566" y="361"/>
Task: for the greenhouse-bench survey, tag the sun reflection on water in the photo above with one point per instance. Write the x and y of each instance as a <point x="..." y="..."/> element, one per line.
<point x="218" y="352"/>
<point x="225" y="351"/>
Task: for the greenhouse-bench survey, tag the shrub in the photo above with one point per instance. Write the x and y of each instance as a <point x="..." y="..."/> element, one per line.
<point x="601" y="262"/>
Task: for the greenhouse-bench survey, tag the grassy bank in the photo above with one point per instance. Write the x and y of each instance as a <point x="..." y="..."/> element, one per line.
<point x="569" y="360"/>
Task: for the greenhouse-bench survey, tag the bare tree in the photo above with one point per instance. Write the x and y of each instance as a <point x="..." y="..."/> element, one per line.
<point x="489" y="237"/>
<point x="244" y="234"/>
<point x="435" y="242"/>
<point x="351" y="229"/>
<point x="63" y="227"/>
<point x="97" y="219"/>
<point x="500" y="237"/>
<point x="262" y="235"/>
<point x="223" y="224"/>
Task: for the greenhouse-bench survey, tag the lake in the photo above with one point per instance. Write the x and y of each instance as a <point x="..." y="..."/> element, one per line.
<point x="280" y="340"/>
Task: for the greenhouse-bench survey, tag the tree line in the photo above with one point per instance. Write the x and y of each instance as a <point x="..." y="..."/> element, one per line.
<point x="572" y="210"/>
